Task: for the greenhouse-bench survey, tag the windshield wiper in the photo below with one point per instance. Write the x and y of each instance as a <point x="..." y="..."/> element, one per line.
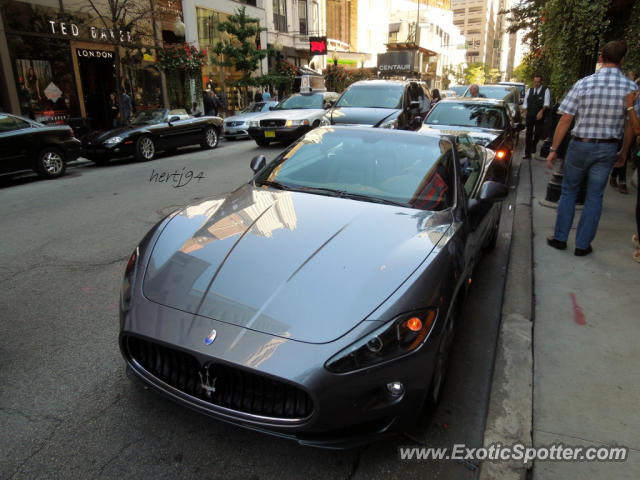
<point x="278" y="185"/>
<point x="344" y="194"/>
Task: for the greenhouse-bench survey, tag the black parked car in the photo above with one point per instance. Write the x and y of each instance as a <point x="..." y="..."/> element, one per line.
<point x="28" y="145"/>
<point x="382" y="103"/>
<point x="151" y="131"/>
<point x="319" y="301"/>
<point x="488" y="122"/>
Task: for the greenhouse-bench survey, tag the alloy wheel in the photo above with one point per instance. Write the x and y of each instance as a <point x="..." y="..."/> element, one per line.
<point x="52" y="163"/>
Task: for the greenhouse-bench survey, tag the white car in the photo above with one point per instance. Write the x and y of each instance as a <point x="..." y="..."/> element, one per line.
<point x="291" y="118"/>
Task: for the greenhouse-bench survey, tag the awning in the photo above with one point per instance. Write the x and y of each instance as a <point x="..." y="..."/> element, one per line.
<point x="394" y="27"/>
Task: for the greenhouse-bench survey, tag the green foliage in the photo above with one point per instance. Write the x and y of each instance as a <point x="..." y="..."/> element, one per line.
<point x="475" y="73"/>
<point x="457" y="74"/>
<point x="571" y="29"/>
<point x="181" y="57"/>
<point x="632" y="37"/>
<point x="337" y="78"/>
<point x="239" y="49"/>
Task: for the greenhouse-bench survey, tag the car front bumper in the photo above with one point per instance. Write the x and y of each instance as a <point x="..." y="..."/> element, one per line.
<point x="102" y="150"/>
<point x="235" y="132"/>
<point x="347" y="409"/>
<point x="278" y="134"/>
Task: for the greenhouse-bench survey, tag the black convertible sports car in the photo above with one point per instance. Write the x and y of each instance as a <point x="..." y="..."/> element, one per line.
<point x="28" y="145"/>
<point x="151" y="131"/>
<point x="488" y="122"/>
<point x="319" y="301"/>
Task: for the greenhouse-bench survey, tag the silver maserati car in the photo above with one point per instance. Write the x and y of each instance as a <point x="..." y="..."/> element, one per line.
<point x="318" y="302"/>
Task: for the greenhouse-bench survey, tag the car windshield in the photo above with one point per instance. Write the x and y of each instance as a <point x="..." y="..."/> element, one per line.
<point x="372" y="96"/>
<point x="459" y="89"/>
<point x="254" y="107"/>
<point x="295" y="102"/>
<point x="467" y="115"/>
<point x="399" y="168"/>
<point x="499" y="93"/>
<point x="148" y="117"/>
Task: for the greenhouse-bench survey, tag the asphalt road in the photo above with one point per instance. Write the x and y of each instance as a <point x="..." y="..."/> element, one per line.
<point x="67" y="409"/>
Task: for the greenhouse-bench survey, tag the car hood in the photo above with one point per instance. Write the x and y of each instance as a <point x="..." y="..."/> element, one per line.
<point x="242" y="117"/>
<point x="482" y="136"/>
<point x="360" y="116"/>
<point x="102" y="135"/>
<point x="294" y="114"/>
<point x="290" y="264"/>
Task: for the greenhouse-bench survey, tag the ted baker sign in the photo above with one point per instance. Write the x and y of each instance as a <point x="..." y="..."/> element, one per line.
<point x="66" y="29"/>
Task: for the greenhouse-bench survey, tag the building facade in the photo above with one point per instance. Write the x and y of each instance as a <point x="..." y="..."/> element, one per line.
<point x="58" y="58"/>
<point x="479" y="23"/>
<point x="433" y="30"/>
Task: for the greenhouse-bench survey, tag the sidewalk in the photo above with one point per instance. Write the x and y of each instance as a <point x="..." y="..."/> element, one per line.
<point x="586" y="338"/>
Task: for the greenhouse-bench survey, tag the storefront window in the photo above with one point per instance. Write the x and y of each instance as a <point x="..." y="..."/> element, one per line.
<point x="213" y="76"/>
<point x="45" y="80"/>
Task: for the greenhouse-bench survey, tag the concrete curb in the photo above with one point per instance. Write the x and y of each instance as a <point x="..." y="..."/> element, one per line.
<point x="509" y="419"/>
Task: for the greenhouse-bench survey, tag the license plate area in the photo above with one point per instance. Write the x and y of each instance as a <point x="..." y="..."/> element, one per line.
<point x="269" y="134"/>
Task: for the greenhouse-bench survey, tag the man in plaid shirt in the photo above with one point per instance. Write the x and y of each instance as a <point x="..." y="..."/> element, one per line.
<point x="597" y="103"/>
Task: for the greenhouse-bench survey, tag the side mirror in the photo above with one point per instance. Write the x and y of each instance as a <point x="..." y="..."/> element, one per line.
<point x="174" y="119"/>
<point x="493" y="191"/>
<point x="257" y="163"/>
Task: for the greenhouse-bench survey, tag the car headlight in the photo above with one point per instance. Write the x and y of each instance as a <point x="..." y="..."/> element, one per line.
<point x="254" y="123"/>
<point x="127" y="282"/>
<point x="113" y="140"/>
<point x="396" y="338"/>
<point x="393" y="123"/>
<point x="296" y="123"/>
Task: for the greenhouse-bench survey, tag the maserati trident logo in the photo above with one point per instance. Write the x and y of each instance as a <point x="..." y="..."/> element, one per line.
<point x="210" y="338"/>
<point x="207" y="383"/>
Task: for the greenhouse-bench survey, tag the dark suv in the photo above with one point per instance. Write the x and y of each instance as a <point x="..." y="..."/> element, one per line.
<point x="382" y="103"/>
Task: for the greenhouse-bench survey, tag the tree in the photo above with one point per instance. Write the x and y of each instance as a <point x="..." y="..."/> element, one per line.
<point x="239" y="50"/>
<point x="475" y="73"/>
<point x="121" y="23"/>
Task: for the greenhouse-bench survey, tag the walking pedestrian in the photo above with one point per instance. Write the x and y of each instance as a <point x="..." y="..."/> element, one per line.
<point x="435" y="96"/>
<point x="598" y="104"/>
<point x="114" y="109"/>
<point x="127" y="107"/>
<point x="537" y="101"/>
<point x="257" y="97"/>
<point x="632" y="105"/>
<point x="208" y="99"/>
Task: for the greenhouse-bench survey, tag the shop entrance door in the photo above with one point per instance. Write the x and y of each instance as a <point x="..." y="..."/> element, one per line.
<point x="98" y="81"/>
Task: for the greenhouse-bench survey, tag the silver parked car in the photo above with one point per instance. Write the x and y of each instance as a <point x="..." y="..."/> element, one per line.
<point x="237" y="126"/>
<point x="319" y="301"/>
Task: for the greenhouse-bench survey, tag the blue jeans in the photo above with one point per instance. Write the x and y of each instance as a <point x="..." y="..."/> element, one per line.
<point x="593" y="161"/>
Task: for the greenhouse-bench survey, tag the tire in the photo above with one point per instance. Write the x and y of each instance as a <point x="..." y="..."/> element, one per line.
<point x="493" y="238"/>
<point x="263" y="143"/>
<point x="51" y="163"/>
<point x="210" y="138"/>
<point x="442" y="361"/>
<point x="145" y="149"/>
<point x="315" y="124"/>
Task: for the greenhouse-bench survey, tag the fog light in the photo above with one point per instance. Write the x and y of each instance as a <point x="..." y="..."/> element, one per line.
<point x="395" y="388"/>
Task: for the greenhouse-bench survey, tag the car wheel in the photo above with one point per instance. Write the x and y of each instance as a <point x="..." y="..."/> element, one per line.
<point x="442" y="361"/>
<point x="315" y="124"/>
<point x="263" y="143"/>
<point x="145" y="149"/>
<point x="51" y="163"/>
<point x="210" y="139"/>
<point x="493" y="238"/>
